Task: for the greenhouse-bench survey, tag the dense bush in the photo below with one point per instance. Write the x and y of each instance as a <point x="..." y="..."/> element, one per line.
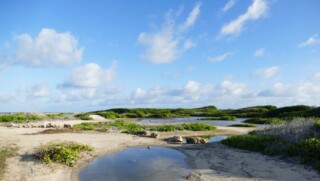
<point x="289" y="112"/>
<point x="84" y="116"/>
<point x="65" y="153"/>
<point x="264" y="121"/>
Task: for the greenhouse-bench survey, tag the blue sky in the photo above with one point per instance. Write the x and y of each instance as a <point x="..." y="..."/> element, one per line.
<point x="88" y="55"/>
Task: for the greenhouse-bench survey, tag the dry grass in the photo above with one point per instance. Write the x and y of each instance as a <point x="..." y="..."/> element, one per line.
<point x="292" y="131"/>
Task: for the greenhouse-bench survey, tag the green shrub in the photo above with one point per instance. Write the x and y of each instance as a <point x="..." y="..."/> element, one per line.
<point x="250" y="142"/>
<point x="198" y="127"/>
<point x="163" y="128"/>
<point x="264" y="121"/>
<point x="308" y="150"/>
<point x="65" y="153"/>
<point x="243" y="125"/>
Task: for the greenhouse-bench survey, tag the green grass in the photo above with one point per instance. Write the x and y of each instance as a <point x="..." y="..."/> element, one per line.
<point x="65" y="153"/>
<point x="227" y="118"/>
<point x="243" y="125"/>
<point x="181" y="127"/>
<point x="4" y="154"/>
<point x="264" y="121"/>
<point x="92" y="126"/>
<point x="127" y="126"/>
<point x="132" y="127"/>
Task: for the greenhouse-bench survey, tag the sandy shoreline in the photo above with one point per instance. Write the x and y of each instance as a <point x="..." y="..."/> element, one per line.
<point x="209" y="162"/>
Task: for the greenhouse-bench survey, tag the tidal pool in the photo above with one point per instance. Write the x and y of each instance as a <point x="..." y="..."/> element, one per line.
<point x="154" y="164"/>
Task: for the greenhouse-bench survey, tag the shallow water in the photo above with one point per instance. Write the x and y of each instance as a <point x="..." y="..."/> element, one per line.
<point x="212" y="139"/>
<point x="155" y="164"/>
<point x="193" y="120"/>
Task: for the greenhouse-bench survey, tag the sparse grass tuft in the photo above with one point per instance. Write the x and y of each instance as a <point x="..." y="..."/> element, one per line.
<point x="4" y="154"/>
<point x="65" y="153"/>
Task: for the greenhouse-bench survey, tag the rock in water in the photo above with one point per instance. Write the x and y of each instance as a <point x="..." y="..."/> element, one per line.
<point x="196" y="140"/>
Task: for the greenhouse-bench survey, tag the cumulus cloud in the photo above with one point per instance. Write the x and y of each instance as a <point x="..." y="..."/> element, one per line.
<point x="220" y="58"/>
<point x="229" y="5"/>
<point x="255" y="11"/>
<point x="47" y="48"/>
<point x="190" y="92"/>
<point x="229" y="87"/>
<point x="169" y="42"/>
<point x="90" y="75"/>
<point x="259" y="53"/>
<point x="311" y="41"/>
<point x="267" y="72"/>
<point x="38" y="91"/>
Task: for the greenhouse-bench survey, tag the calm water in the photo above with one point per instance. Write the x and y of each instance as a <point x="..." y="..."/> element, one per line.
<point x="193" y="120"/>
<point x="155" y="164"/>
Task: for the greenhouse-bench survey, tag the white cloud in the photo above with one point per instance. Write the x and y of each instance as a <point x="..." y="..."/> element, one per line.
<point x="189" y="44"/>
<point x="39" y="90"/>
<point x="317" y="76"/>
<point x="255" y="11"/>
<point x="259" y="53"/>
<point x="313" y="40"/>
<point x="169" y="42"/>
<point x="90" y="75"/>
<point x="47" y="48"/>
<point x="161" y="47"/>
<point x="229" y="5"/>
<point x="192" y="17"/>
<point x="220" y="58"/>
<point x="267" y="72"/>
<point x="228" y="87"/>
<point x="192" y="91"/>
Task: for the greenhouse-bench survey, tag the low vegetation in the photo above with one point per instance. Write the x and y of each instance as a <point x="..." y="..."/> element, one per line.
<point x="264" y="121"/>
<point x="132" y="127"/>
<point x="19" y="118"/>
<point x="83" y="116"/>
<point x="65" y="153"/>
<point x="297" y="138"/>
<point x="92" y="126"/>
<point x="228" y="118"/>
<point x="243" y="125"/>
<point x="4" y="154"/>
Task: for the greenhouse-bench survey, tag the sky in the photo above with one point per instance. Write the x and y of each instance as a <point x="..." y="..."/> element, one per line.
<point x="77" y="55"/>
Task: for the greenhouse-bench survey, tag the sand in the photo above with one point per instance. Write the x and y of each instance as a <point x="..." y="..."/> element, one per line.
<point x="209" y="162"/>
